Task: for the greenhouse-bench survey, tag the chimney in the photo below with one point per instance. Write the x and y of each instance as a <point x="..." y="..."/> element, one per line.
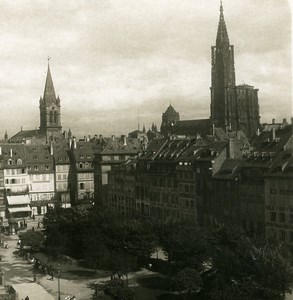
<point x="74" y="143"/>
<point x="123" y="137"/>
<point x="70" y="143"/>
<point x="230" y="126"/>
<point x="273" y="134"/>
<point x="113" y="137"/>
<point x="89" y="138"/>
<point x="51" y="149"/>
<point x="273" y="121"/>
<point x="231" y="149"/>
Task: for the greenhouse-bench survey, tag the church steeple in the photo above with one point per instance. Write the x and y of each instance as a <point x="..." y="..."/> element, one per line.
<point x="49" y="92"/>
<point x="50" y="109"/>
<point x="222" y="34"/>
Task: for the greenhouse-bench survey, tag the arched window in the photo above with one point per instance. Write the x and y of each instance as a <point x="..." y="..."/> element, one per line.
<point x="19" y="161"/>
<point x="55" y="117"/>
<point x="51" y="117"/>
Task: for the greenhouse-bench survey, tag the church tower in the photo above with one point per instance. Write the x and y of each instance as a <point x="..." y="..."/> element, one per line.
<point x="233" y="107"/>
<point x="223" y="110"/>
<point x="50" y="109"/>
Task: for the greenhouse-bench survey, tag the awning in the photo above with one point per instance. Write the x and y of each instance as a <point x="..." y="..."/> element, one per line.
<point x="18" y="200"/>
<point x="19" y="209"/>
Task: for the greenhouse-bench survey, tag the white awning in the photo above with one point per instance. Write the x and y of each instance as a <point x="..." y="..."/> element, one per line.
<point x="19" y="209"/>
<point x="18" y="200"/>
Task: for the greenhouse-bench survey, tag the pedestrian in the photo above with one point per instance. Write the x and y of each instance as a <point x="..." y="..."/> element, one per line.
<point x="33" y="228"/>
<point x="39" y="224"/>
<point x="52" y="273"/>
<point x="34" y="217"/>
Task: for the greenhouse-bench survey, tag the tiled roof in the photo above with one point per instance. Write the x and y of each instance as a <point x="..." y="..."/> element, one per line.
<point x="83" y="152"/>
<point x="170" y="110"/>
<point x="192" y="127"/>
<point x="61" y="153"/>
<point x="27" y="134"/>
<point x="14" y="155"/>
<point x="283" y="165"/>
<point x="229" y="169"/>
<point x="117" y="146"/>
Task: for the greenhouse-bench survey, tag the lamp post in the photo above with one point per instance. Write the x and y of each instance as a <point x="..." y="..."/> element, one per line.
<point x="58" y="277"/>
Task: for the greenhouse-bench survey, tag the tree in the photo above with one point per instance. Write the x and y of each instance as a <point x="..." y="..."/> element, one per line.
<point x="188" y="280"/>
<point x="34" y="239"/>
<point x="118" y="290"/>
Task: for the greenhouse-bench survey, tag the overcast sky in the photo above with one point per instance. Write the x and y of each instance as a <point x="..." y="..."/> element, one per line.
<point x="111" y="58"/>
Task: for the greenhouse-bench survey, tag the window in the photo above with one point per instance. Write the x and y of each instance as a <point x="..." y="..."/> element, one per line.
<point x="36" y="168"/>
<point x="291" y="236"/>
<point x="282" y="235"/>
<point x="47" y="167"/>
<point x="282" y="217"/>
<point x="273" y="216"/>
<point x="81" y="186"/>
<point x="19" y="161"/>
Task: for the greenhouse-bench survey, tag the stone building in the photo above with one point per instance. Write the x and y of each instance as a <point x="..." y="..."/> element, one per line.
<point x="110" y="152"/>
<point x="231" y="106"/>
<point x="278" y="194"/>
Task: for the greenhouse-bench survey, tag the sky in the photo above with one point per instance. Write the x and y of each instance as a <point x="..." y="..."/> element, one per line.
<point x="114" y="62"/>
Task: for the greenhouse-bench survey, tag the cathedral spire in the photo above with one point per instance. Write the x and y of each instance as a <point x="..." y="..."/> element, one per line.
<point x="49" y="92"/>
<point x="222" y="34"/>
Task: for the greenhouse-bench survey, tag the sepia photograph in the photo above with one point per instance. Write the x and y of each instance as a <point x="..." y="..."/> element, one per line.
<point x="146" y="150"/>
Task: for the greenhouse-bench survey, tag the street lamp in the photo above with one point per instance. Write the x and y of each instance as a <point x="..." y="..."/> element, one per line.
<point x="58" y="277"/>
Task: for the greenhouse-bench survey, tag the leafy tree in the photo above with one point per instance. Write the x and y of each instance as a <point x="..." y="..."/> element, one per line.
<point x="34" y="239"/>
<point x="118" y="290"/>
<point x="188" y="280"/>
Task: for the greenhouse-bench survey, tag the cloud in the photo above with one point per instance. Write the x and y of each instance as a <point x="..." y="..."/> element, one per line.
<point x="113" y="58"/>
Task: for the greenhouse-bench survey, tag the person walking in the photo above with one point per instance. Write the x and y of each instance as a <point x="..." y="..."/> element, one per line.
<point x="52" y="273"/>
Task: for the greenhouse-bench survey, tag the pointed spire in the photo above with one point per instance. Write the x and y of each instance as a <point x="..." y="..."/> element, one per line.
<point x="49" y="92"/>
<point x="222" y="34"/>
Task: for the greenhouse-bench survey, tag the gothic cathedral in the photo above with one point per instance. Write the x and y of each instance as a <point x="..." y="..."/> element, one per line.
<point x="235" y="107"/>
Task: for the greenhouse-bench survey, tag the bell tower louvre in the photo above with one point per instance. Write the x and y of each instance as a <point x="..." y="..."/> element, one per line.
<point x="50" y="109"/>
<point x="235" y="107"/>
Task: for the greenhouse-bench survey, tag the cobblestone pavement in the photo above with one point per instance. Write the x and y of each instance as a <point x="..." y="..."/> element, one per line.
<point x="18" y="270"/>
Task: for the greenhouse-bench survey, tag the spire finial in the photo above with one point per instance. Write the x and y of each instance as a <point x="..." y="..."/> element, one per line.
<point x="221" y="7"/>
<point x="49" y="57"/>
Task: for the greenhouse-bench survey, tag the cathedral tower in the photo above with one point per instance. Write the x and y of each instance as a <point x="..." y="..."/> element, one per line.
<point x="50" y="109"/>
<point x="235" y="107"/>
<point x="223" y="79"/>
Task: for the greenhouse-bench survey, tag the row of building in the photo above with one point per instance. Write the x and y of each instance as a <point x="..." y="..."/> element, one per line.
<point x="36" y="176"/>
<point x="219" y="179"/>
